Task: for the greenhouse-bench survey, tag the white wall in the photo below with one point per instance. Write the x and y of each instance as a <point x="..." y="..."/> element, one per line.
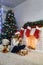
<point x="30" y="10"/>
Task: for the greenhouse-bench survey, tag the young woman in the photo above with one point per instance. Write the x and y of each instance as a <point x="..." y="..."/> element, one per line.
<point x="16" y="44"/>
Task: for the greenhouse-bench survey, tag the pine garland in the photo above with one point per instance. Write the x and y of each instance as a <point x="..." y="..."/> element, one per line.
<point x="33" y="24"/>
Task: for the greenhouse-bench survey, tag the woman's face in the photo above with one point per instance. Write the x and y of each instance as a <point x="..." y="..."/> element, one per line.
<point x="18" y="35"/>
<point x="20" y="39"/>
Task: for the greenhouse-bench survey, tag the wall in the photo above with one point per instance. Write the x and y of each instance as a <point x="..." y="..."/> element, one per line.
<point x="30" y="10"/>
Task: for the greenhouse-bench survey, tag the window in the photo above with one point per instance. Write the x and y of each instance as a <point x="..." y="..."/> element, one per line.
<point x="2" y="20"/>
<point x="0" y="23"/>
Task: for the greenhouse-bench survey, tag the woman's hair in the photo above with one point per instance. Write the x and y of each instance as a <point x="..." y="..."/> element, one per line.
<point x="16" y="36"/>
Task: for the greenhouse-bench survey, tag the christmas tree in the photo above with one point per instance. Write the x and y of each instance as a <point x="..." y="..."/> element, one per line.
<point x="9" y="27"/>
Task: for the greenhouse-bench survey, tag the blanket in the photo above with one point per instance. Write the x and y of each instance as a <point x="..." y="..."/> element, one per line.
<point x="33" y="58"/>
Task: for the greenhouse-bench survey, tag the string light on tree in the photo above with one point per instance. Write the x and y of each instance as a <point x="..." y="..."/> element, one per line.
<point x="10" y="26"/>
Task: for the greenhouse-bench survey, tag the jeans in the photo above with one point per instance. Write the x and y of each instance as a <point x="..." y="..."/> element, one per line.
<point x="17" y="48"/>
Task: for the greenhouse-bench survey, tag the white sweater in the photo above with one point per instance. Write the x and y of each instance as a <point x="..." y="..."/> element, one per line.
<point x="14" y="43"/>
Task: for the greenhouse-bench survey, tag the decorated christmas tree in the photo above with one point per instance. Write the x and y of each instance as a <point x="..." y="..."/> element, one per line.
<point x="9" y="27"/>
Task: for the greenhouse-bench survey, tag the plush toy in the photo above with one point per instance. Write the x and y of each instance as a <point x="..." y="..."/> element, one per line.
<point x="1" y="48"/>
<point x="23" y="52"/>
<point x="5" y="43"/>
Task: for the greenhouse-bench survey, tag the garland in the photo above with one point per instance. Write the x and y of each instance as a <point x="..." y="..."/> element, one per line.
<point x="34" y="24"/>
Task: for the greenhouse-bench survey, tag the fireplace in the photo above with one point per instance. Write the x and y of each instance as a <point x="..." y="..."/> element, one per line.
<point x="36" y="44"/>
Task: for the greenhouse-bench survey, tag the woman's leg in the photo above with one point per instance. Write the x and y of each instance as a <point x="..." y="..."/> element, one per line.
<point x="17" y="48"/>
<point x="21" y="47"/>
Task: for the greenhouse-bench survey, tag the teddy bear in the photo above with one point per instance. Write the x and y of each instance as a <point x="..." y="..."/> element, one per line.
<point x="5" y="43"/>
<point x="23" y="52"/>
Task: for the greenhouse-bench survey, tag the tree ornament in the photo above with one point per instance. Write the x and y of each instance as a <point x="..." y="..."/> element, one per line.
<point x="12" y="15"/>
<point x="9" y="14"/>
<point x="11" y="31"/>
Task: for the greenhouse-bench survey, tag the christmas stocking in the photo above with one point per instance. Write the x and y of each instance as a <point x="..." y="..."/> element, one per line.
<point x="28" y="31"/>
<point x="37" y="31"/>
<point x="21" y="32"/>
